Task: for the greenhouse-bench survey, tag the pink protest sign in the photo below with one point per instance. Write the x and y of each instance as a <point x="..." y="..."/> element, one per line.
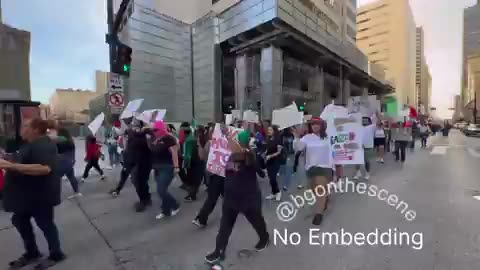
<point x="219" y="151"/>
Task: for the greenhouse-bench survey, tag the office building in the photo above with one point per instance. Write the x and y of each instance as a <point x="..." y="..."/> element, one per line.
<point x="14" y="62"/>
<point x="70" y="105"/>
<point x="423" y="79"/>
<point x="101" y="82"/>
<point x="386" y="33"/>
<point x="203" y="61"/>
<point x="471" y="46"/>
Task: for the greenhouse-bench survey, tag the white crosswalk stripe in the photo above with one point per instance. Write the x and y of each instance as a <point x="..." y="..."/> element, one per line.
<point x="439" y="150"/>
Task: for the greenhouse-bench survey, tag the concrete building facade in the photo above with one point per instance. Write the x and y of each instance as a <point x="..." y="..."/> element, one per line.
<point x="423" y="79"/>
<point x="69" y="105"/>
<point x="253" y="54"/>
<point x="386" y="33"/>
<point x="14" y="63"/>
<point x="471" y="46"/>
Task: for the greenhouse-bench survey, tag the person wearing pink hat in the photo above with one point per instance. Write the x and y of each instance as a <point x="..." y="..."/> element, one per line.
<point x="165" y="165"/>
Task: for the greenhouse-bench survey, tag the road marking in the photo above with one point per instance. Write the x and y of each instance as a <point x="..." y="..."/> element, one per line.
<point x="439" y="150"/>
<point x="474" y="153"/>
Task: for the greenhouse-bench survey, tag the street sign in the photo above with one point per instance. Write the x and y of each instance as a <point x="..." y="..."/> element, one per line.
<point x="115" y="82"/>
<point x="116" y="110"/>
<point x="116" y="99"/>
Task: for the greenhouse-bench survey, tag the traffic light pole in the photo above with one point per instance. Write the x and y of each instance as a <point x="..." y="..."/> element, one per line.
<point x="110" y="21"/>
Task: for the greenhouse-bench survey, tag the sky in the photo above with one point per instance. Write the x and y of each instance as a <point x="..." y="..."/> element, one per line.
<point x="68" y="43"/>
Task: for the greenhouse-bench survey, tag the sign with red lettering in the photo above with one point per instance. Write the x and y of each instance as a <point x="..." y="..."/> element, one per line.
<point x="219" y="152"/>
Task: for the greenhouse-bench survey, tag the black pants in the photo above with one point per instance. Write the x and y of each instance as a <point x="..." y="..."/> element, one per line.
<point x="124" y="174"/>
<point x="273" y="167"/>
<point x="229" y="216"/>
<point x="195" y="176"/>
<point x="424" y="140"/>
<point x="44" y="218"/>
<point x="141" y="175"/>
<point x="400" y="147"/>
<point x="295" y="162"/>
<point x="93" y="163"/>
<point x="215" y="190"/>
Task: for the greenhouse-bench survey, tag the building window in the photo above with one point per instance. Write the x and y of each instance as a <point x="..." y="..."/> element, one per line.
<point x="351" y="33"/>
<point x="363" y="21"/>
<point x="351" y="15"/>
<point x="330" y="2"/>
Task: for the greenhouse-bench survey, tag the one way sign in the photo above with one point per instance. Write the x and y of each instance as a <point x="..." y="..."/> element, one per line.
<point x="115" y="82"/>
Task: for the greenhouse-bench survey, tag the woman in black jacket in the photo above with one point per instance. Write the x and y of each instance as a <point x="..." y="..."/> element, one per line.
<point x="66" y="152"/>
<point x="241" y="195"/>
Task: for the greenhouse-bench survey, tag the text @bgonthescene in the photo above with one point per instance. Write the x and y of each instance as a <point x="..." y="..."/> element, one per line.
<point x="287" y="210"/>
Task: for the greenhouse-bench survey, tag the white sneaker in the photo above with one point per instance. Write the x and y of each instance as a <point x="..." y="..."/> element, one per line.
<point x="103" y="177"/>
<point x="175" y="212"/>
<point x="162" y="215"/>
<point x="382" y="161"/>
<point x="367" y="176"/>
<point x="358" y="175"/>
<point x="83" y="180"/>
<point x="278" y="196"/>
<point x="75" y="195"/>
<point x="270" y="197"/>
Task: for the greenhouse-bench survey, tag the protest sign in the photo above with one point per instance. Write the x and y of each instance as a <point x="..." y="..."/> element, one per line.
<point x="250" y="116"/>
<point x="146" y="116"/>
<point x="345" y="133"/>
<point x="285" y="118"/>
<point x="228" y="119"/>
<point x="96" y="123"/>
<point x="219" y="152"/>
<point x="132" y="108"/>
<point x="334" y="111"/>
<point x="307" y="118"/>
<point x="236" y="115"/>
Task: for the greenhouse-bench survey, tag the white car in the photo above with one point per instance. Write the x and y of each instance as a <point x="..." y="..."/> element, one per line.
<point x="472" y="130"/>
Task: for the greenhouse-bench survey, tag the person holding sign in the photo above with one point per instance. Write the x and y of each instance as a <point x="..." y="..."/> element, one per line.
<point x="242" y="195"/>
<point x="368" y="137"/>
<point x="318" y="162"/>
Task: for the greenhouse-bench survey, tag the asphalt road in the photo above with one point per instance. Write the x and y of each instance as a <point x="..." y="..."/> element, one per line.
<point x="438" y="184"/>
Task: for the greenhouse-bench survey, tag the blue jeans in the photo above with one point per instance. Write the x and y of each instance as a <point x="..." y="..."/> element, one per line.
<point x="164" y="176"/>
<point x="66" y="165"/>
<point x="286" y="172"/>
<point x="113" y="155"/>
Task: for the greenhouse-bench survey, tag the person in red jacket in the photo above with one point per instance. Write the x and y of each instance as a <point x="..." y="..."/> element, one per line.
<point x="92" y="157"/>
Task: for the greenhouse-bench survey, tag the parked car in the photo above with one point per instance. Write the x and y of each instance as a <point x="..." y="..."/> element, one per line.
<point x="472" y="130"/>
<point x="460" y="125"/>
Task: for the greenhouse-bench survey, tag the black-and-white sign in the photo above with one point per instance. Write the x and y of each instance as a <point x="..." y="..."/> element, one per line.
<point x="115" y="82"/>
<point x="116" y="99"/>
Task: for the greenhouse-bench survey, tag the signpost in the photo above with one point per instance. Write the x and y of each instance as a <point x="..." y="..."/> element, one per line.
<point x="116" y="97"/>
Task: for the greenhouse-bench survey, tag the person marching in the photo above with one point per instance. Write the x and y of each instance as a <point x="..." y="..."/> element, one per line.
<point x="273" y="161"/>
<point x="380" y="141"/>
<point x="66" y="152"/>
<point x="242" y="195"/>
<point x="92" y="157"/>
<point x="368" y="145"/>
<point x="318" y="162"/>
<point x="165" y="164"/>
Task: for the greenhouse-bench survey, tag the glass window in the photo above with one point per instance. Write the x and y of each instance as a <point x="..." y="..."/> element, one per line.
<point x="7" y="124"/>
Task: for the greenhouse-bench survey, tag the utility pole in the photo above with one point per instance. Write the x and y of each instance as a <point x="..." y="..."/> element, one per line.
<point x="475" y="106"/>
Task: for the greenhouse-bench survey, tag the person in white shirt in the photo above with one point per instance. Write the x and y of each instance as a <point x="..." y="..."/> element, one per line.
<point x="368" y="144"/>
<point x="424" y="131"/>
<point x="318" y="162"/>
<point x="380" y="141"/>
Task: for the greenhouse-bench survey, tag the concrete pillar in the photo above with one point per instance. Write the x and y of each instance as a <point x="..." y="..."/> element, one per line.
<point x="347" y="90"/>
<point x="339" y="98"/>
<point x="271" y="79"/>
<point x="317" y="89"/>
<point x="240" y="82"/>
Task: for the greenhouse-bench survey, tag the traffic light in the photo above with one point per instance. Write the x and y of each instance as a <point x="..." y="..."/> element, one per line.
<point x="123" y="59"/>
<point x="301" y="108"/>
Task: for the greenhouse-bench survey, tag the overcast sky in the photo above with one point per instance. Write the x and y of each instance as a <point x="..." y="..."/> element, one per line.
<point x="68" y="43"/>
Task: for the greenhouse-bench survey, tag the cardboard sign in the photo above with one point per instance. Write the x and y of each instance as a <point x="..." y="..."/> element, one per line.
<point x="250" y="116"/>
<point x="346" y="139"/>
<point x="333" y="111"/>
<point x="286" y="118"/>
<point x="96" y="123"/>
<point x="219" y="152"/>
<point x="228" y="119"/>
<point x="132" y="108"/>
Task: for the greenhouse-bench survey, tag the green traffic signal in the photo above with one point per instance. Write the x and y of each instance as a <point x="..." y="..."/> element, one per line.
<point x="126" y="68"/>
<point x="302" y="108"/>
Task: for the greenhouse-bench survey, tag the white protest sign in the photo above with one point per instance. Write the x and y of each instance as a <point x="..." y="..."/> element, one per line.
<point x="250" y="116"/>
<point x="307" y="118"/>
<point x="236" y="115"/>
<point x="334" y="111"/>
<point x="228" y="119"/>
<point x="286" y="118"/>
<point x="292" y="107"/>
<point x="219" y="152"/>
<point x="146" y="116"/>
<point x="96" y="123"/>
<point x="346" y="141"/>
<point x="132" y="108"/>
<point x="160" y="115"/>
